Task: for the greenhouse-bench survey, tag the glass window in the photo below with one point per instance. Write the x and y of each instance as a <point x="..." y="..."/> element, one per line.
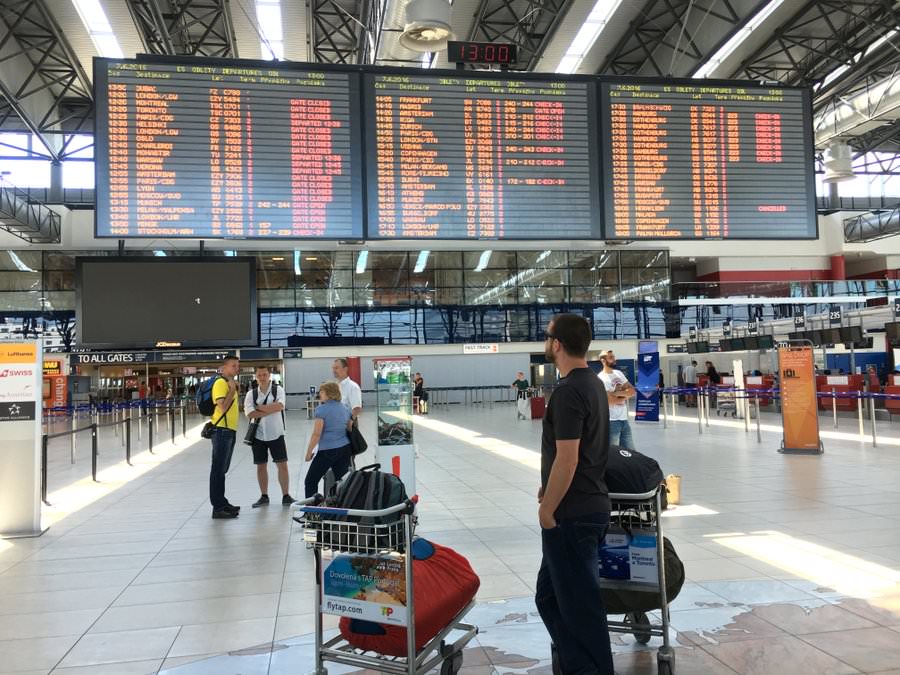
<point x="644" y="259"/>
<point x="27" y="173"/>
<point x="21" y="301"/>
<point x="272" y="279"/>
<point x="21" y="261"/>
<point x="57" y="301"/>
<point x="59" y="280"/>
<point x="20" y="281"/>
<point x="78" y="175"/>
<point x="542" y="260"/>
<point x="505" y="260"/>
<point x="275" y="298"/>
<point x="14" y="145"/>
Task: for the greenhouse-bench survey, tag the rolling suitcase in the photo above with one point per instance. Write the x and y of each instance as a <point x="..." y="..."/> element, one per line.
<point x="537" y="407"/>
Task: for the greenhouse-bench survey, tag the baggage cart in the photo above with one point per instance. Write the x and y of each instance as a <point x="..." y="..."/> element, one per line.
<point x="726" y="401"/>
<point x="644" y="512"/>
<point x="330" y="534"/>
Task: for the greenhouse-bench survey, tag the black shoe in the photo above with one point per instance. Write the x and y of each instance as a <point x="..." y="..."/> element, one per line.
<point x="287" y="500"/>
<point x="231" y="508"/>
<point x="224" y="513"/>
<point x="262" y="501"/>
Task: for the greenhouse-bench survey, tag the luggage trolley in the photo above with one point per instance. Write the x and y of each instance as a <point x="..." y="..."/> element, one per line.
<point x="726" y="400"/>
<point x="644" y="511"/>
<point x="330" y="539"/>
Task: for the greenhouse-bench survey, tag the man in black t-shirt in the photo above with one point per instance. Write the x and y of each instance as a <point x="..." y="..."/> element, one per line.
<point x="574" y="504"/>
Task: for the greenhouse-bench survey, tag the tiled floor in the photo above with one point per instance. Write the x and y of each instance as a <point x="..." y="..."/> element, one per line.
<point x="792" y="561"/>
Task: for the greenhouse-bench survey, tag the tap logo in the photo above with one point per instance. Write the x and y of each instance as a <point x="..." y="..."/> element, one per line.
<point x="387" y="611"/>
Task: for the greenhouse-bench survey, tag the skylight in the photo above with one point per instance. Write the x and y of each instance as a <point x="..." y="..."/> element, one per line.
<point x="736" y="40"/>
<point x="586" y="37"/>
<point x="271" y="36"/>
<point x="94" y="19"/>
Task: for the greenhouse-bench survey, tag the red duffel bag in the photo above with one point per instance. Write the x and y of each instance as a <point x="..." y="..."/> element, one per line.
<point x="444" y="584"/>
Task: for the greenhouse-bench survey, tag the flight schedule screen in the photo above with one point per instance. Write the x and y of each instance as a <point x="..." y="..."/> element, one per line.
<point x="470" y="157"/>
<point x="706" y="161"/>
<point x="218" y="151"/>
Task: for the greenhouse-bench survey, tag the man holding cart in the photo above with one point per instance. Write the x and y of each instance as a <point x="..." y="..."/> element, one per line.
<point x="574" y="504"/>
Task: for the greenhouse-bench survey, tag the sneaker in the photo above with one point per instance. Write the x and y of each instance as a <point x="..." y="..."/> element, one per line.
<point x="262" y="501"/>
<point x="224" y="514"/>
<point x="231" y="508"/>
<point x="287" y="500"/>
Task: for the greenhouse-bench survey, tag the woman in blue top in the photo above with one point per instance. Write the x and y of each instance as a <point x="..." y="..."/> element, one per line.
<point x="330" y="434"/>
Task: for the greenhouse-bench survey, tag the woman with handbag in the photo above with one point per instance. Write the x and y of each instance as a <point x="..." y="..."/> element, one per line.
<point x="332" y="422"/>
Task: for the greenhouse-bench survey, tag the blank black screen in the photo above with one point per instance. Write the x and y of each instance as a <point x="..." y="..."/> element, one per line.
<point x="128" y="303"/>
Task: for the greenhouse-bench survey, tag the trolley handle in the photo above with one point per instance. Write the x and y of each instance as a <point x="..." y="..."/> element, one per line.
<point x="407" y="506"/>
<point x="627" y="497"/>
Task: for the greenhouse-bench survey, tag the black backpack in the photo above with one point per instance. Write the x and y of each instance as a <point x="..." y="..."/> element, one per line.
<point x="366" y="489"/>
<point x="630" y="472"/>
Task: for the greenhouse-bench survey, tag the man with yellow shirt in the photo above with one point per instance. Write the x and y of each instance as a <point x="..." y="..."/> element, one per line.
<point x="225" y="421"/>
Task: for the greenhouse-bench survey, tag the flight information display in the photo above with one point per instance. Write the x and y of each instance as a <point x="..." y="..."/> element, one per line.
<point x="473" y="157"/>
<point x="221" y="150"/>
<point x="706" y="161"/>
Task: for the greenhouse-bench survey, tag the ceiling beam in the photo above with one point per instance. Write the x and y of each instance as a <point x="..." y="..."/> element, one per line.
<point x="185" y="27"/>
<point x="529" y="24"/>
<point x="42" y="82"/>
<point x="671" y="37"/>
<point x="345" y="31"/>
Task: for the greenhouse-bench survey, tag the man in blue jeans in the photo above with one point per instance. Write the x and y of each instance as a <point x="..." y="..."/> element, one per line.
<point x="618" y="391"/>
<point x="574" y="504"/>
<point x="225" y="421"/>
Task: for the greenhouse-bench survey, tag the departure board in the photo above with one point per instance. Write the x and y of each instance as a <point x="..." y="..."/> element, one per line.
<point x="459" y="156"/>
<point x="705" y="161"/>
<point x="226" y="150"/>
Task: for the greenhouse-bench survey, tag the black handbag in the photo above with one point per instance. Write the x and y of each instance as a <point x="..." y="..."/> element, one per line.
<point x="358" y="444"/>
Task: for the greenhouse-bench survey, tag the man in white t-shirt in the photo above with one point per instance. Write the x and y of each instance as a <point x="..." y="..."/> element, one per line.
<point x="351" y="394"/>
<point x="264" y="405"/>
<point x="618" y="391"/>
<point x="689" y="373"/>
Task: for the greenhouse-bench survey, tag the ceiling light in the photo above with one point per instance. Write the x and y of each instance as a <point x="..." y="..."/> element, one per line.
<point x="278" y="258"/>
<point x="159" y="254"/>
<point x="483" y="261"/>
<point x="311" y="258"/>
<point x="361" y="262"/>
<point x="94" y="19"/>
<point x="587" y="35"/>
<point x="297" y="270"/>
<point x="736" y="40"/>
<point x="230" y="254"/>
<point x="421" y="261"/>
<point x="427" y="26"/>
<point x="271" y="34"/>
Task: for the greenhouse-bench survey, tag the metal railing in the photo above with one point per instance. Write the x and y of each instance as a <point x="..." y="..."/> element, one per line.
<point x="124" y="415"/>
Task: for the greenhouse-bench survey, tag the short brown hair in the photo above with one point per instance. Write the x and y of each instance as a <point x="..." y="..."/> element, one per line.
<point x="265" y="367"/>
<point x="573" y="333"/>
<point x="332" y="390"/>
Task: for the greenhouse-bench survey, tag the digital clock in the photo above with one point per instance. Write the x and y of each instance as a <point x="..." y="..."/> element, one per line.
<point x="481" y="52"/>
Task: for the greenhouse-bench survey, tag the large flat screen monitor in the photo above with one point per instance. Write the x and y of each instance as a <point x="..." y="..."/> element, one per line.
<point x="148" y="302"/>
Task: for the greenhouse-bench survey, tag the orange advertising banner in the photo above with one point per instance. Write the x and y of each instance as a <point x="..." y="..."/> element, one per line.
<point x="799" y="412"/>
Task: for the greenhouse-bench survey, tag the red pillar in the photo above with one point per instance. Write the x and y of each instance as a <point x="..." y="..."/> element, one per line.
<point x="838" y="268"/>
<point x="355" y="369"/>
